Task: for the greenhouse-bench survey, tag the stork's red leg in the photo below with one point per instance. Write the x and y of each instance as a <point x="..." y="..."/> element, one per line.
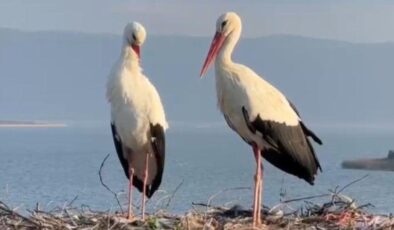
<point x="261" y="186"/>
<point x="129" y="208"/>
<point x="255" y="197"/>
<point x="144" y="188"/>
<point x="257" y="189"/>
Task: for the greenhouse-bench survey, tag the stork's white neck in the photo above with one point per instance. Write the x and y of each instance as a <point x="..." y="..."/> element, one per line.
<point x="130" y="58"/>
<point x="224" y="56"/>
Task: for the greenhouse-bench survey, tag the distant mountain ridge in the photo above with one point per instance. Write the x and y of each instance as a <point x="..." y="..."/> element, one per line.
<point x="62" y="76"/>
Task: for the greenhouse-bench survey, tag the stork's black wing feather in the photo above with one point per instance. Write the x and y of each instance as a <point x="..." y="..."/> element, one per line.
<point x="158" y="145"/>
<point x="307" y="131"/>
<point x="119" y="150"/>
<point x="247" y="120"/>
<point x="287" y="148"/>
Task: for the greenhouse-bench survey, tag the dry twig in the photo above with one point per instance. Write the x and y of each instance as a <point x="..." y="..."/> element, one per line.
<point x="106" y="186"/>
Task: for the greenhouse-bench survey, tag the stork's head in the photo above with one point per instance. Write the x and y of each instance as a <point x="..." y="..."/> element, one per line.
<point x="226" y="24"/>
<point x="134" y="36"/>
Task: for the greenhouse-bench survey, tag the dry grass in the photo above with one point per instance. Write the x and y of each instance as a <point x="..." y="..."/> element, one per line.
<point x="339" y="212"/>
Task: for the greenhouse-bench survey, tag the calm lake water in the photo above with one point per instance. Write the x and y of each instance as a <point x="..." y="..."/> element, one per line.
<point x="53" y="166"/>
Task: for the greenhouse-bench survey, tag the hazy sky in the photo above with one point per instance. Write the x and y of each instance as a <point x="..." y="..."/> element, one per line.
<point x="351" y="20"/>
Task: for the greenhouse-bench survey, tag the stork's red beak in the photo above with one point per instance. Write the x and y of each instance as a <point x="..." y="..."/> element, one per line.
<point x="217" y="42"/>
<point x="136" y="49"/>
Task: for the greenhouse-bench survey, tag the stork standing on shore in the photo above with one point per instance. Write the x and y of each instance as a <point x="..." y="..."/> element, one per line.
<point x="259" y="113"/>
<point x="138" y="120"/>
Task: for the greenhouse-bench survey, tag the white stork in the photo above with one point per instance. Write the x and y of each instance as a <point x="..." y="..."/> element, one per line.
<point x="138" y="121"/>
<point x="258" y="112"/>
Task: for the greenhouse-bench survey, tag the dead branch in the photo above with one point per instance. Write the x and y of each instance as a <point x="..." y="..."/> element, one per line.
<point x="72" y="201"/>
<point x="305" y="198"/>
<point x="225" y="190"/>
<point x="173" y="194"/>
<point x="353" y="182"/>
<point x="106" y="186"/>
<point x="5" y="210"/>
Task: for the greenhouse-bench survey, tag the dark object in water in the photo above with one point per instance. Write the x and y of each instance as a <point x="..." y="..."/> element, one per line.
<point x="386" y="164"/>
<point x="391" y="154"/>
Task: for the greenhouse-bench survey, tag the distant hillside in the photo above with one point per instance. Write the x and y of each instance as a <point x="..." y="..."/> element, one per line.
<point x="62" y="76"/>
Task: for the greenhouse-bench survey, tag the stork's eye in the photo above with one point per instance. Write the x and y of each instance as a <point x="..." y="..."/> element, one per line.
<point x="224" y="24"/>
<point x="134" y="37"/>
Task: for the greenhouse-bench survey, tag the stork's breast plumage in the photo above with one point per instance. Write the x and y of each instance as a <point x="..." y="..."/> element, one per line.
<point x="131" y="109"/>
<point x="231" y="98"/>
<point x="132" y="126"/>
<point x="257" y="96"/>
